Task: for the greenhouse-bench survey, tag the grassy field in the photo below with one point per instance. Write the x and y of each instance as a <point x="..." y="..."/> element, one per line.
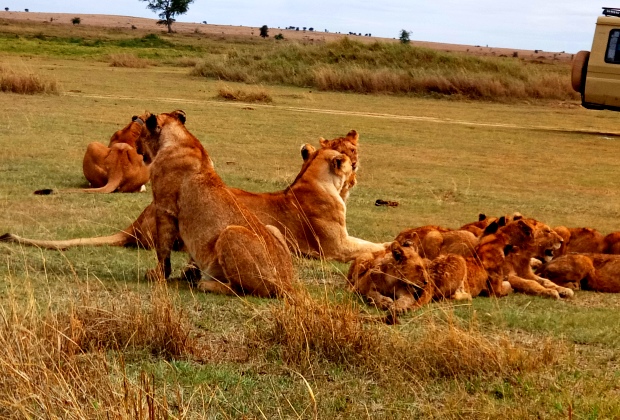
<point x="84" y="336"/>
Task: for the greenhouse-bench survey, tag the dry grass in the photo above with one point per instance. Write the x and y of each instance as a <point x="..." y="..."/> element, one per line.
<point x="159" y="326"/>
<point x="26" y="83"/>
<point x="248" y="94"/>
<point x="308" y="333"/>
<point x="128" y="60"/>
<point x="55" y="365"/>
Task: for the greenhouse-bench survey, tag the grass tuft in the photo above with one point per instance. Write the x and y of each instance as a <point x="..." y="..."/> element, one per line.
<point x="128" y="60"/>
<point x="308" y="333"/>
<point x="26" y="84"/>
<point x="249" y="94"/>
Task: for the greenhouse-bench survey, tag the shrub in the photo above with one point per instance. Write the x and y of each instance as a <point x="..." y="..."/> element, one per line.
<point x="404" y="36"/>
<point x="279" y="37"/>
<point x="76" y="20"/>
<point x="264" y="31"/>
<point x="128" y="60"/>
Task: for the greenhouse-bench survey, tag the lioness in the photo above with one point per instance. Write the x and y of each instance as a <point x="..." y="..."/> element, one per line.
<point x="117" y="167"/>
<point x="223" y="237"/>
<point x="311" y="212"/>
<point x="598" y="272"/>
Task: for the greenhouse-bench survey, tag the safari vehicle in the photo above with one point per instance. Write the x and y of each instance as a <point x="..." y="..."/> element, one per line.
<point x="596" y="74"/>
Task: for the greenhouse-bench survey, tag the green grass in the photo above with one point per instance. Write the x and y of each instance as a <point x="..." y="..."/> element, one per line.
<point x="441" y="172"/>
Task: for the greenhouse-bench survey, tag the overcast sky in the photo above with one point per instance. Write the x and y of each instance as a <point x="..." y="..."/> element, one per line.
<point x="550" y="25"/>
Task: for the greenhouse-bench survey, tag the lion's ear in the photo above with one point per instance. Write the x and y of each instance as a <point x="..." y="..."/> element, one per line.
<point x="306" y="150"/>
<point x="525" y="228"/>
<point x="324" y="143"/>
<point x="517" y="216"/>
<point x="482" y="217"/>
<point x="502" y="221"/>
<point x="353" y="136"/>
<point x="180" y="115"/>
<point x="509" y="248"/>
<point x="491" y="229"/>
<point x="397" y="252"/>
<point x="337" y="162"/>
<point x="151" y="122"/>
<point x="135" y="117"/>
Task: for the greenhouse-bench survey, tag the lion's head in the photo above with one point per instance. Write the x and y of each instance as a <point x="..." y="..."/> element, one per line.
<point x="407" y="266"/>
<point x="546" y="241"/>
<point x="149" y="141"/>
<point x="346" y="145"/>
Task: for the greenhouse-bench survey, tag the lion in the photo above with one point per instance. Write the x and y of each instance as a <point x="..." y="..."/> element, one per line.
<point x="238" y="253"/>
<point x="346" y="145"/>
<point x="597" y="272"/>
<point x="431" y="241"/>
<point x="542" y="243"/>
<point x="310" y="213"/>
<point x="118" y="167"/>
<point x="398" y="279"/>
<point x="580" y="240"/>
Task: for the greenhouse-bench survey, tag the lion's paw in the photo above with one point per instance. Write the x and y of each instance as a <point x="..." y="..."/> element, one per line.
<point x="383" y="302"/>
<point x="553" y="294"/>
<point x="566" y="293"/>
<point x="461" y="295"/>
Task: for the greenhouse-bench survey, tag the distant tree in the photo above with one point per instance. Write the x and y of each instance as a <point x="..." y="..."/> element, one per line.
<point x="168" y="9"/>
<point x="76" y="20"/>
<point x="26" y="10"/>
<point x="404" y="36"/>
<point x="6" y="9"/>
<point x="264" y="31"/>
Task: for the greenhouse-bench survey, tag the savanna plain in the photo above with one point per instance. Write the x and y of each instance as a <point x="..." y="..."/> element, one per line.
<point x="83" y="335"/>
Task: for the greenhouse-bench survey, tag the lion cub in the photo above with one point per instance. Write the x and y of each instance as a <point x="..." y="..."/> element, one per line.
<point x="236" y="252"/>
<point x="399" y="279"/>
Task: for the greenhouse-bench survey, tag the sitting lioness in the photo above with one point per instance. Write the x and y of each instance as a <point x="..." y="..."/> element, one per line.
<point x="311" y="212"/>
<point x="238" y="253"/>
<point x="118" y="167"/>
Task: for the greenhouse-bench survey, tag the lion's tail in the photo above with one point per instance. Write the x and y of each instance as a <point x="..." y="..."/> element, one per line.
<point x="114" y="181"/>
<point x="118" y="239"/>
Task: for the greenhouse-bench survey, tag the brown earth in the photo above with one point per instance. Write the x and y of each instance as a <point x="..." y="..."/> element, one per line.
<point x="127" y="22"/>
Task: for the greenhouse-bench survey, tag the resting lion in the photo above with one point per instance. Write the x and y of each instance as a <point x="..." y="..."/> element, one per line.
<point x="598" y="272"/>
<point x="399" y="279"/>
<point x="117" y="167"/>
<point x="310" y="212"/>
<point x="238" y="253"/>
<point x="587" y="240"/>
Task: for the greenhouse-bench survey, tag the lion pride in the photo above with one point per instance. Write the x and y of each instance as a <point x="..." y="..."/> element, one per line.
<point x="239" y="254"/>
<point x="311" y="212"/>
<point x="118" y="167"/>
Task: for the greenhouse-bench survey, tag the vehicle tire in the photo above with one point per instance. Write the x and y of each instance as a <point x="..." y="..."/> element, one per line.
<point x="579" y="70"/>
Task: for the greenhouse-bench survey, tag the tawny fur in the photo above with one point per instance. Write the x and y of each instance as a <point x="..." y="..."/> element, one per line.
<point x="311" y="212"/>
<point x="237" y="253"/>
<point x="598" y="272"/>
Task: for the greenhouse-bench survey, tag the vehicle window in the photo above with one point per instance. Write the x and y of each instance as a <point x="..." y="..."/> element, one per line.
<point x="613" y="47"/>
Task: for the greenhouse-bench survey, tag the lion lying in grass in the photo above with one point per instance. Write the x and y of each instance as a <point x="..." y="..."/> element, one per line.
<point x="238" y="253"/>
<point x="311" y="212"/>
<point x="598" y="272"/>
<point x="117" y="167"/>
